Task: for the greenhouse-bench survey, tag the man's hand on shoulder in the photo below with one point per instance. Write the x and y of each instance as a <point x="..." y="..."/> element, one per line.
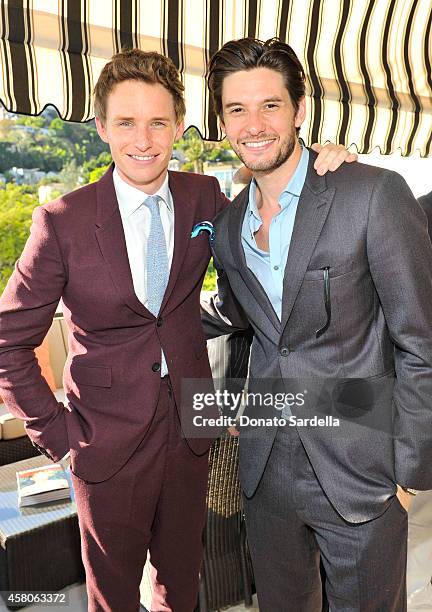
<point x="331" y="156"/>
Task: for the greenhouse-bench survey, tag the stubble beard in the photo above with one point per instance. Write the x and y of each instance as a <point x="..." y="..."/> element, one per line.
<point x="267" y="165"/>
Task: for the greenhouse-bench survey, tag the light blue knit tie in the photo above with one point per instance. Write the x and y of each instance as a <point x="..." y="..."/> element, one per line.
<point x="157" y="258"/>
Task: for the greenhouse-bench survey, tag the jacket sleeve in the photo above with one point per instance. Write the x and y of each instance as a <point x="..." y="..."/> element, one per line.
<point x="426" y="203"/>
<point x="221" y="201"/>
<point x="27" y="307"/>
<point x="400" y="260"/>
<point x="222" y="313"/>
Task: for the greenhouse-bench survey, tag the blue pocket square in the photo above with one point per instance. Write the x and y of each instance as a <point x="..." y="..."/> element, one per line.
<point x="204" y="226"/>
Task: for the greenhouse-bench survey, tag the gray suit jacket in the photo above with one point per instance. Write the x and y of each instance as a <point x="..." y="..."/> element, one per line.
<point x="426" y="204"/>
<point x="364" y="224"/>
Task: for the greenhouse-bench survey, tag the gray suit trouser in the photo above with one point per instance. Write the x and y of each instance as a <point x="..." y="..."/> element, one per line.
<point x="291" y="523"/>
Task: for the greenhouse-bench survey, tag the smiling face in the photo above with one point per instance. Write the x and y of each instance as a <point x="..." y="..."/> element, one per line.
<point x="259" y="118"/>
<point x="140" y="128"/>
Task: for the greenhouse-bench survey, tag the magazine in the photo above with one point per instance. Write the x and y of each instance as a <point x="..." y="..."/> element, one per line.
<point x="44" y="484"/>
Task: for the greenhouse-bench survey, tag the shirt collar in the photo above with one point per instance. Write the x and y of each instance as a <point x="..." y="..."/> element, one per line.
<point x="130" y="198"/>
<point x="295" y="184"/>
<point x="253" y="208"/>
<point x="293" y="188"/>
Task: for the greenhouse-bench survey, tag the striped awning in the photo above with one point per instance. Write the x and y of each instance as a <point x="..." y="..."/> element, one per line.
<point x="368" y="61"/>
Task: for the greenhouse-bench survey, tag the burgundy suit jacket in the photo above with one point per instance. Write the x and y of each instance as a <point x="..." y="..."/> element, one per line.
<point x="77" y="252"/>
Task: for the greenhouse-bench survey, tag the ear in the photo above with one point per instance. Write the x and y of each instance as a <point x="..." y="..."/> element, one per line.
<point x="301" y="113"/>
<point x="101" y="130"/>
<point x="179" y="130"/>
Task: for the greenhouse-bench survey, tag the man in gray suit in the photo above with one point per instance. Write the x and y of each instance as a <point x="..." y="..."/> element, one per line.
<point x="334" y="274"/>
<point x="419" y="567"/>
<point x="426" y="203"/>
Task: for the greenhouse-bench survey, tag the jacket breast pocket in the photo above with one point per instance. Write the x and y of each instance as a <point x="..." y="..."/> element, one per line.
<point x="200" y="241"/>
<point x="93" y="376"/>
<point x="334" y="271"/>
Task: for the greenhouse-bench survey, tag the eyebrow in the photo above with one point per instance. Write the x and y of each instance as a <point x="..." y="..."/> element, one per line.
<point x="231" y="104"/>
<point x="120" y="118"/>
<point x="271" y="99"/>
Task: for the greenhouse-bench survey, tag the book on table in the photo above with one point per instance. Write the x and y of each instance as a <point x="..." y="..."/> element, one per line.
<point x="43" y="484"/>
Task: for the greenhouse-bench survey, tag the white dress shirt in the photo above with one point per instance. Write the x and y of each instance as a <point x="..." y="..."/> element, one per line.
<point x="136" y="220"/>
<point x="136" y="224"/>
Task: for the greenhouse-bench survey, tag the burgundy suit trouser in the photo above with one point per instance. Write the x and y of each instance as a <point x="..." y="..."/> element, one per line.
<point x="156" y="502"/>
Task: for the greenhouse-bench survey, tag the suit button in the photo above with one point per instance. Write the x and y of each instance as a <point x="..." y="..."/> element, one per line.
<point x="284" y="351"/>
<point x="159" y="322"/>
<point x="156" y="366"/>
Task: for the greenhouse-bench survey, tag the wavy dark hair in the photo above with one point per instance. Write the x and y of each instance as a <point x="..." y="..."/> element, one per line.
<point x="137" y="65"/>
<point x="249" y="53"/>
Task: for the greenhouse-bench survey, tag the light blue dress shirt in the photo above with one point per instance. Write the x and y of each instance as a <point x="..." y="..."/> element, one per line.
<point x="269" y="267"/>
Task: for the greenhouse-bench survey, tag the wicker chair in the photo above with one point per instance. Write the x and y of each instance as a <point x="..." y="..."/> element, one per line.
<point x="14" y="443"/>
<point x="16" y="450"/>
<point x="226" y="577"/>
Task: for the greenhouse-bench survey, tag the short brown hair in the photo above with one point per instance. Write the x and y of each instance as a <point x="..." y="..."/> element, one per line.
<point x="138" y="65"/>
<point x="249" y="53"/>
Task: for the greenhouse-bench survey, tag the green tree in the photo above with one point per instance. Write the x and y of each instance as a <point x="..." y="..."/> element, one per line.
<point x="30" y="121"/>
<point x="16" y="207"/>
<point x="196" y="151"/>
<point x="90" y="169"/>
<point x="209" y="283"/>
<point x="69" y="176"/>
<point x="81" y="140"/>
<point x="5" y="128"/>
<point x="97" y="173"/>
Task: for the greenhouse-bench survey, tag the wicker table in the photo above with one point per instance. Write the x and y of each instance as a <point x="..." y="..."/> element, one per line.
<point x="40" y="545"/>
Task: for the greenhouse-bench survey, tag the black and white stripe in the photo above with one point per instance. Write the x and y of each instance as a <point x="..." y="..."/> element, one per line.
<point x="125" y="24"/>
<point x="370" y="99"/>
<point x="17" y="53"/>
<point x="316" y="89"/>
<point x="374" y="99"/>
<point x="74" y="57"/>
<point x="213" y="19"/>
<point x="427" y="50"/>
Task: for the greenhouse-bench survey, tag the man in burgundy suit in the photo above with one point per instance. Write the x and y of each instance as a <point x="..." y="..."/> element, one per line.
<point x="120" y="255"/>
<point x="139" y="485"/>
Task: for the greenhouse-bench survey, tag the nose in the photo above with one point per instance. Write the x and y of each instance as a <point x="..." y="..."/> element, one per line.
<point x="143" y="137"/>
<point x="255" y="123"/>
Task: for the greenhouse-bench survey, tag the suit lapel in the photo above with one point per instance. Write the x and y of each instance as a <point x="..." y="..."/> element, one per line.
<point x="237" y="213"/>
<point x="313" y="207"/>
<point x="184" y="202"/>
<point x="112" y="243"/>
